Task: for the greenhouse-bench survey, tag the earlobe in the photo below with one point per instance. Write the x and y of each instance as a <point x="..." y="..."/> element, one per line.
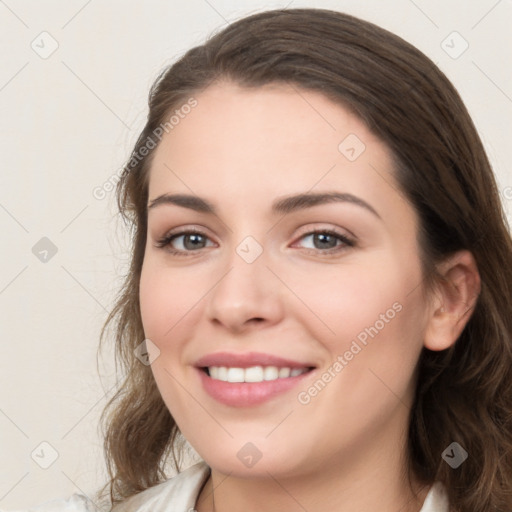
<point x="455" y="299"/>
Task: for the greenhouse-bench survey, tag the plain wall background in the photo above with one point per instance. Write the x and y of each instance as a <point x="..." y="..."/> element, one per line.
<point x="67" y="125"/>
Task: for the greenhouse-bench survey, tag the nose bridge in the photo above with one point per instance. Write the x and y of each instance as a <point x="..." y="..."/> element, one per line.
<point x="246" y="290"/>
<point x="247" y="274"/>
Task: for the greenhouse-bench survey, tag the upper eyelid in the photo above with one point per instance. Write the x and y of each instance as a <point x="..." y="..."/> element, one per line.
<point x="305" y="231"/>
<point x="336" y="230"/>
<point x="197" y="228"/>
<point x="183" y="230"/>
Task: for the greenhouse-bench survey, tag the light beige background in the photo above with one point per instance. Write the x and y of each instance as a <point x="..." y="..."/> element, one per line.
<point x="68" y="122"/>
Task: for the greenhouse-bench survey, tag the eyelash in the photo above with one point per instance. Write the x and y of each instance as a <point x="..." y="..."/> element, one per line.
<point x="165" y="242"/>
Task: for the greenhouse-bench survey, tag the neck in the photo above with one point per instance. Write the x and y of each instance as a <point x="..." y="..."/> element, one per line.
<point x="375" y="480"/>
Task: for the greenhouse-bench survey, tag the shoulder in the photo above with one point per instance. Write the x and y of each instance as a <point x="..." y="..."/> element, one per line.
<point x="176" y="494"/>
<point x="75" y="503"/>
<point x="436" y="500"/>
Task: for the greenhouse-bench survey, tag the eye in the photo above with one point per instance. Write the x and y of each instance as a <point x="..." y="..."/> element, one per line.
<point x="185" y="241"/>
<point x="322" y="240"/>
<point x="326" y="241"/>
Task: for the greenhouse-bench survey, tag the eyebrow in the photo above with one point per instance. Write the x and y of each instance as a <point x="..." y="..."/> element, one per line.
<point x="283" y="206"/>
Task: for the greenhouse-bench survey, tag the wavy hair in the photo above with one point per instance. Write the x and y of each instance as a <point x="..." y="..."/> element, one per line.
<point x="463" y="393"/>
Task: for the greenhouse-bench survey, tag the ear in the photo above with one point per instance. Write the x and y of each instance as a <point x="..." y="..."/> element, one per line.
<point x="453" y="302"/>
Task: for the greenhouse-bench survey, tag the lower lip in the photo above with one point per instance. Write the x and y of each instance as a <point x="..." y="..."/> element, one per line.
<point x="245" y="394"/>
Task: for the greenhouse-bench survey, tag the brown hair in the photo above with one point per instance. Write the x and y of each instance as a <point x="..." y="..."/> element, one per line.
<point x="464" y="393"/>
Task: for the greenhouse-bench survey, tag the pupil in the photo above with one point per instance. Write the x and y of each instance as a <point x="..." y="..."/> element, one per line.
<point x="324" y="241"/>
<point x="193" y="241"/>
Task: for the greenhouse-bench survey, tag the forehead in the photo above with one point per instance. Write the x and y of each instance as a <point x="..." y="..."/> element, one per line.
<point x="253" y="144"/>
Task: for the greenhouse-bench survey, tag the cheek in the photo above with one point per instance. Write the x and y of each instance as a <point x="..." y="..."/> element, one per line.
<point x="343" y="301"/>
<point x="372" y="316"/>
<point x="371" y="327"/>
<point x="170" y="306"/>
<point x="168" y="300"/>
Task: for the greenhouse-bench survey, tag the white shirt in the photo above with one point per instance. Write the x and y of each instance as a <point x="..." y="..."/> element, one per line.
<point x="180" y="493"/>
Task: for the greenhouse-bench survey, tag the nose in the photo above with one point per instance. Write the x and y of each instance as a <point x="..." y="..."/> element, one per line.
<point x="247" y="297"/>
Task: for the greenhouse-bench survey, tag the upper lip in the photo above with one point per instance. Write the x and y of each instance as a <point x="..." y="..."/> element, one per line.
<point x="248" y="359"/>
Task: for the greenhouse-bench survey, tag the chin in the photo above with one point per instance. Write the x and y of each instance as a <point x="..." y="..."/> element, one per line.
<point x="252" y="460"/>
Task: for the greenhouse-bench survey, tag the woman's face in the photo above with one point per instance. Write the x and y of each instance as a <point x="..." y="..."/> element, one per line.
<point x="333" y="319"/>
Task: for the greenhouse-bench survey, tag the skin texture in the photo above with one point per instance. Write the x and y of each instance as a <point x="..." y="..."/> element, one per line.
<point x="344" y="450"/>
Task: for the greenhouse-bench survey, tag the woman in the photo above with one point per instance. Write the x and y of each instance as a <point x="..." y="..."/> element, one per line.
<point x="322" y="278"/>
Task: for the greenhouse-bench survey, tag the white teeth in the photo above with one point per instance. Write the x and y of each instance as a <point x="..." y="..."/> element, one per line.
<point x="235" y="375"/>
<point x="222" y="373"/>
<point x="284" y="372"/>
<point x="271" y="373"/>
<point x="253" y="374"/>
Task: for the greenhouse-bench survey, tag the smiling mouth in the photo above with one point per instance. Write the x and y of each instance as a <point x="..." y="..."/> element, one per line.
<point x="253" y="373"/>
